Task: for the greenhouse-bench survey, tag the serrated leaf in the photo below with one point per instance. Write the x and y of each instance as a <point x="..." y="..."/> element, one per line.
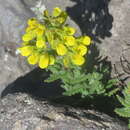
<point x="123" y="101"/>
<point x="129" y="124"/>
<point x="52" y="78"/>
<point x="112" y="92"/>
<point x="124" y="112"/>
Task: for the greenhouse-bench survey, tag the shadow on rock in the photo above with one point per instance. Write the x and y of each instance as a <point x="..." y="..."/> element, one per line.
<point x="93" y="18"/>
<point x="33" y="83"/>
<point x="99" y="102"/>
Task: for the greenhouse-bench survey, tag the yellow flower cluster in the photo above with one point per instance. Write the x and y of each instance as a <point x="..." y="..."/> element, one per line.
<point x="46" y="41"/>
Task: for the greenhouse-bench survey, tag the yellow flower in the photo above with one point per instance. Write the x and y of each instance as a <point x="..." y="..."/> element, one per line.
<point x="56" y="12"/>
<point x="41" y="44"/>
<point x="26" y="50"/>
<point x="35" y="27"/>
<point x="86" y="40"/>
<point x="32" y="22"/>
<point x="44" y="61"/>
<point x="70" y="40"/>
<point x="41" y="26"/>
<point x="77" y="59"/>
<point x="69" y="30"/>
<point x="40" y="30"/>
<point x="61" y="49"/>
<point x="33" y="59"/>
<point x="25" y="43"/>
<point x="60" y="20"/>
<point x="30" y="29"/>
<point x="51" y="60"/>
<point x="46" y="13"/>
<point x="28" y="36"/>
<point x="82" y="50"/>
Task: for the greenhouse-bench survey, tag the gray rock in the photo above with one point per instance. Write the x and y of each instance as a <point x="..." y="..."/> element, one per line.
<point x="117" y="45"/>
<point x="13" y="17"/>
<point x="22" y="112"/>
<point x="12" y="65"/>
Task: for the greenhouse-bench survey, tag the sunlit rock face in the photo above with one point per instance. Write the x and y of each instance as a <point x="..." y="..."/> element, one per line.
<point x="22" y="112"/>
<point x="12" y="65"/>
<point x="13" y="19"/>
<point x="13" y="16"/>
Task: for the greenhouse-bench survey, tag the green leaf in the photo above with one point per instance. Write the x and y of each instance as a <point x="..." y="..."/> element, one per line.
<point x="124" y="112"/>
<point x="52" y="78"/>
<point x="129" y="124"/>
<point x="56" y="12"/>
<point x="112" y="92"/>
<point x="124" y="102"/>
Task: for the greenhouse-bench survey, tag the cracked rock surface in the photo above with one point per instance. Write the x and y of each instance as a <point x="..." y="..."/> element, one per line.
<point x="22" y="112"/>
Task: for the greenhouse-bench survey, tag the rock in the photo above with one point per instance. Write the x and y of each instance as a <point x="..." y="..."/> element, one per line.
<point x="33" y="84"/>
<point x="22" y="112"/>
<point x="12" y="65"/>
<point x="117" y="46"/>
<point x="13" y="17"/>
